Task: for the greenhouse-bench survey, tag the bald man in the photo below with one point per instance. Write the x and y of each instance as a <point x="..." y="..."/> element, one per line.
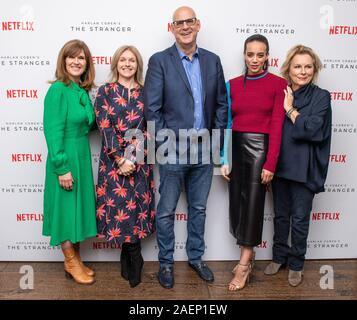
<point x="185" y="89"/>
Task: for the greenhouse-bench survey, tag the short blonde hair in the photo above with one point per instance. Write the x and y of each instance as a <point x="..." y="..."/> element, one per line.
<point x="300" y="49"/>
<point x="71" y="49"/>
<point x="114" y="74"/>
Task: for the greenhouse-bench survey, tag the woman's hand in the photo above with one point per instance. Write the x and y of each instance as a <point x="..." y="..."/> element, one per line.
<point x="66" y="181"/>
<point x="289" y="99"/>
<point x="225" y="172"/>
<point x="126" y="168"/>
<point x="266" y="176"/>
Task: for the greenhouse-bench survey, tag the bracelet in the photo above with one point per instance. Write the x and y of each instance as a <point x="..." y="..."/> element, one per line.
<point x="290" y="111"/>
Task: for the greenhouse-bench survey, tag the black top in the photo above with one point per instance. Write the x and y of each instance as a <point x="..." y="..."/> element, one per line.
<point x="305" y="147"/>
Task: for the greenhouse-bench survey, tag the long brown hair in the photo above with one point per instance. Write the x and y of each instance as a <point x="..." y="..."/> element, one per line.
<point x="71" y="49"/>
<point x="114" y="74"/>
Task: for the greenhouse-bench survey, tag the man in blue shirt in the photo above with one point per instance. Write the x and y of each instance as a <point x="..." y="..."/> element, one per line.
<point x="185" y="93"/>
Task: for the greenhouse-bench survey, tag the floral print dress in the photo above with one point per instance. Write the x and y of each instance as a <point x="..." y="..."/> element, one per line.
<point x="125" y="207"/>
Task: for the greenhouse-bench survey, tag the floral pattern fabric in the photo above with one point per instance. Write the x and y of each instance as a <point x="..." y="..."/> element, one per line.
<point x="125" y="204"/>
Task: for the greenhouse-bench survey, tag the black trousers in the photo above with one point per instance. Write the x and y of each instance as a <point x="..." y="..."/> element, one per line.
<point x="292" y="206"/>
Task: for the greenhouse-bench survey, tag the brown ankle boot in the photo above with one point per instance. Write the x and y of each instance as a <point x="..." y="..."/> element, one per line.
<point x="73" y="268"/>
<point x="87" y="270"/>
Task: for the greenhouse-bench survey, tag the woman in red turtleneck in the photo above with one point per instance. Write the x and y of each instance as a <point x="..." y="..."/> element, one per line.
<point x="257" y="111"/>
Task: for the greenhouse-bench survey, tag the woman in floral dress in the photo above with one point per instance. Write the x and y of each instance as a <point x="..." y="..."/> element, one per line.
<point x="125" y="192"/>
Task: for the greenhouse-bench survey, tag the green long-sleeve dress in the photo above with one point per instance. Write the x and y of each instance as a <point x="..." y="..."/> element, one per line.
<point x="68" y="117"/>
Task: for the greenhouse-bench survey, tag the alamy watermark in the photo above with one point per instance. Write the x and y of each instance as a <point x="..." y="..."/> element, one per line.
<point x="28" y="279"/>
<point x="180" y="146"/>
<point x="327" y="281"/>
<point x="327" y="16"/>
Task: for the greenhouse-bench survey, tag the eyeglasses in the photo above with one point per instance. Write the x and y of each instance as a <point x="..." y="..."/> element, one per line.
<point x="180" y="23"/>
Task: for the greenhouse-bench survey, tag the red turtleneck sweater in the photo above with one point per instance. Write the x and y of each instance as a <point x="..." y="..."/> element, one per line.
<point x="259" y="107"/>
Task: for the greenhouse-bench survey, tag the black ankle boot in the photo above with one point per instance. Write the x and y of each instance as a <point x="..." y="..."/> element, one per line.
<point x="136" y="263"/>
<point x="125" y="261"/>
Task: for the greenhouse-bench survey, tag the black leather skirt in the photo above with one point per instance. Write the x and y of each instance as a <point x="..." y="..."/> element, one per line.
<point x="246" y="193"/>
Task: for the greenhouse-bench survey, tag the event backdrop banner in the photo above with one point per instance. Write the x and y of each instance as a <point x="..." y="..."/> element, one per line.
<point x="31" y="35"/>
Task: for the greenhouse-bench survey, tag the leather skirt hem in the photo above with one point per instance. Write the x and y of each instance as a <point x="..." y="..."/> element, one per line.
<point x="246" y="192"/>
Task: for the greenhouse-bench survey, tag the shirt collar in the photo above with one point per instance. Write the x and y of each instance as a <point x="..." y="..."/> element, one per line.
<point x="183" y="56"/>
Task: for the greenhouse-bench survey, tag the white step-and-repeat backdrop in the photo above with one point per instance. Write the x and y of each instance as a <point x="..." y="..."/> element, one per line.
<point x="31" y="35"/>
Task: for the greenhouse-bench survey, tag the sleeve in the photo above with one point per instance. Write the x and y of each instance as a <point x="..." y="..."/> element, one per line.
<point x="222" y="105"/>
<point x="276" y="127"/>
<point x="54" y="123"/>
<point x="309" y="127"/>
<point x="105" y="125"/>
<point x="228" y="132"/>
<point x="154" y="94"/>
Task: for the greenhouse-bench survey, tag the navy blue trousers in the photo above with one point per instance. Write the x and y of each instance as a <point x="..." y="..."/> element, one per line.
<point x="292" y="206"/>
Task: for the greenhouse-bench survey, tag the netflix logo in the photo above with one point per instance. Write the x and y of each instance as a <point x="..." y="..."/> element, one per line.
<point x="263" y="245"/>
<point x="21" y="94"/>
<point x="26" y="157"/>
<point x="181" y="217"/>
<point x="326" y="216"/>
<point x="274" y="62"/>
<point x="342" y="96"/>
<point x="342" y="30"/>
<point x="102" y="60"/>
<point x="24" y="217"/>
<point x="105" y="245"/>
<point x="338" y="158"/>
<point x="17" y="26"/>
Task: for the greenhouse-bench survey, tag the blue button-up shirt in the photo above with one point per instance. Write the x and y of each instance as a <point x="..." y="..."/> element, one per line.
<point x="193" y="72"/>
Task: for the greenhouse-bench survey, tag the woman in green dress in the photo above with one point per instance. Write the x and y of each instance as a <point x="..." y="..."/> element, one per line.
<point x="69" y="197"/>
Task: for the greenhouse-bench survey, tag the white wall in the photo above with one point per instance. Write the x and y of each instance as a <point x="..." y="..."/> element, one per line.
<point x="28" y="60"/>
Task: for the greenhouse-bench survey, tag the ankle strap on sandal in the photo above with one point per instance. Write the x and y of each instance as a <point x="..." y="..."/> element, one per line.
<point x="244" y="265"/>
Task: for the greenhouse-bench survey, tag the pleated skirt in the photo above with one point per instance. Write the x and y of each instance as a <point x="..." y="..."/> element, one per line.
<point x="246" y="192"/>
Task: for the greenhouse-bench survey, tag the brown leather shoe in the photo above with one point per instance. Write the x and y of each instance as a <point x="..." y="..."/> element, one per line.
<point x="87" y="270"/>
<point x="295" y="278"/>
<point x="74" y="269"/>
